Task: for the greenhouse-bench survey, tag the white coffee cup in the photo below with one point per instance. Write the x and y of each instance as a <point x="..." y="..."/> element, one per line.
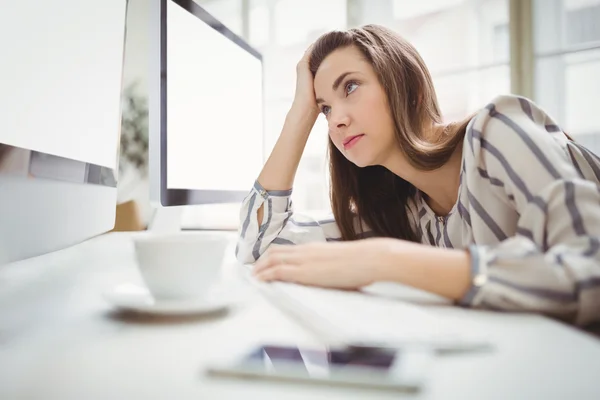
<point x="180" y="266"/>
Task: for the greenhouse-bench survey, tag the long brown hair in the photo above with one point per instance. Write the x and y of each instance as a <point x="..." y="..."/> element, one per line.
<point x="374" y="194"/>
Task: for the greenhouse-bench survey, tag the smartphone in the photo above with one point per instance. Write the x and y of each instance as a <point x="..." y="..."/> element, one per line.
<point x="404" y="369"/>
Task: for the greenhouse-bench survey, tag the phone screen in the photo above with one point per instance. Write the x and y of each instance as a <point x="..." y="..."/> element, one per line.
<point x="317" y="362"/>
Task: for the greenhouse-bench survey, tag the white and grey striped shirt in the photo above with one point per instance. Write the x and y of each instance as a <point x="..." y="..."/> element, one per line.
<point x="528" y="209"/>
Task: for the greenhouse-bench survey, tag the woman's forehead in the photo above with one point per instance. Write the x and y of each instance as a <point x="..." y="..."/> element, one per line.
<point x="338" y="62"/>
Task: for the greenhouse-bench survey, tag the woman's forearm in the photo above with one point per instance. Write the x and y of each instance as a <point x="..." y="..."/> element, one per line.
<point x="446" y="272"/>
<point x="280" y="169"/>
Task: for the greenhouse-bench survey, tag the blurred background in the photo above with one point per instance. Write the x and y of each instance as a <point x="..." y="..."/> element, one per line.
<point x="547" y="50"/>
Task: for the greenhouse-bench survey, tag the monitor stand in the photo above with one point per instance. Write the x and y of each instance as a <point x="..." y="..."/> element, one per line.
<point x="166" y="220"/>
<point x="213" y="217"/>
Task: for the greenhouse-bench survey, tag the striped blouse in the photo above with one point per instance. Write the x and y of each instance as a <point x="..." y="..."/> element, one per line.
<point x="528" y="210"/>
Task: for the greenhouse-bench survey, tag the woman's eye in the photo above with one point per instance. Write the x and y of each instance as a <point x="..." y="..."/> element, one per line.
<point x="325" y="110"/>
<point x="351" y="87"/>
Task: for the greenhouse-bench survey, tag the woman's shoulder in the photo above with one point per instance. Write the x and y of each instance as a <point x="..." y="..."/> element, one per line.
<point x="510" y="118"/>
<point x="509" y="135"/>
<point x="510" y="110"/>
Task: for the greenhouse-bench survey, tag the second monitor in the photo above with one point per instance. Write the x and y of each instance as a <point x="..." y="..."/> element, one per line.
<point x="206" y="108"/>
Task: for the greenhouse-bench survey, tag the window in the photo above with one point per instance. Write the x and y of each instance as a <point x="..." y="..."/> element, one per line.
<point x="259" y="29"/>
<point x="567" y="65"/>
<point x="301" y="22"/>
<point x="582" y="22"/>
<point x="501" y="43"/>
<point x="410" y="9"/>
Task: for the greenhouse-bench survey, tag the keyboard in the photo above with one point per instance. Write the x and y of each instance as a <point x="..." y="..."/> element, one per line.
<point x="355" y="319"/>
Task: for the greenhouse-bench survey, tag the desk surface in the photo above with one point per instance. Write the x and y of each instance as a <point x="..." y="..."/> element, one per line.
<point x="60" y="339"/>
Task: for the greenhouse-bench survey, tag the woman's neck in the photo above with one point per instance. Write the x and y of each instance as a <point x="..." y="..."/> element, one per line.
<point x="439" y="187"/>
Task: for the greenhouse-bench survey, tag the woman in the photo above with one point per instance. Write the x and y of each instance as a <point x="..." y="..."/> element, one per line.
<point x="498" y="211"/>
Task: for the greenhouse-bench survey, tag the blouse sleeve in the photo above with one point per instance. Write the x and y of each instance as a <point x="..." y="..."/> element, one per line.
<point x="552" y="264"/>
<point x="280" y="225"/>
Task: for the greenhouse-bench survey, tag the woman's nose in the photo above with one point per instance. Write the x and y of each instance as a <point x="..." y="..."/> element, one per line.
<point x="338" y="120"/>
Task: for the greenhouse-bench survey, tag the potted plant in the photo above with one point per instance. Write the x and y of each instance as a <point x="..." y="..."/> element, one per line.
<point x="132" y="195"/>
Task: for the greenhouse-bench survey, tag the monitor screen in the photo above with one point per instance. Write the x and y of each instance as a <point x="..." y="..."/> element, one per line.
<point x="214" y="119"/>
<point x="61" y="81"/>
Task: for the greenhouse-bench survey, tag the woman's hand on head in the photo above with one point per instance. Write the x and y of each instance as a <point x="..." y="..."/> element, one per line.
<point x="304" y="98"/>
<point x="342" y="265"/>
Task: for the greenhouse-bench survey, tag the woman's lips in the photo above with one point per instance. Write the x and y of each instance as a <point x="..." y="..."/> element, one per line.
<point x="352" y="141"/>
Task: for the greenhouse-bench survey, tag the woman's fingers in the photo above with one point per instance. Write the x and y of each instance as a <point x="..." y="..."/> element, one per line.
<point x="283" y="255"/>
<point x="287" y="273"/>
<point x="297" y="255"/>
<point x="307" y="52"/>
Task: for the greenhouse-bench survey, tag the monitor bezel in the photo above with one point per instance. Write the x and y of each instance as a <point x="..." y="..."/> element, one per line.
<point x="182" y="197"/>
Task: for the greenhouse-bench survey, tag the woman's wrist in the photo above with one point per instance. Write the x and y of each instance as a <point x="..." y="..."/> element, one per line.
<point x="443" y="271"/>
<point x="299" y="122"/>
<point x="303" y="112"/>
<point x="387" y="260"/>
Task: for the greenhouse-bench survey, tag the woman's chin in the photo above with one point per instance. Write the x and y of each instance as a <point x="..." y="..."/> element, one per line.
<point x="360" y="162"/>
<point x="360" y="159"/>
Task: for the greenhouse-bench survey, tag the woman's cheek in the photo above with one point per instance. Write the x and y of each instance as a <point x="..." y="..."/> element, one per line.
<point x="336" y="143"/>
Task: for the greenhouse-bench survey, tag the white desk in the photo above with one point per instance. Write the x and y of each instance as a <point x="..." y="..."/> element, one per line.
<point x="60" y="340"/>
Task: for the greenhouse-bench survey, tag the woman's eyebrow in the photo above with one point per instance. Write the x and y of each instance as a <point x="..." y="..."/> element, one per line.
<point x="337" y="83"/>
<point x="339" y="80"/>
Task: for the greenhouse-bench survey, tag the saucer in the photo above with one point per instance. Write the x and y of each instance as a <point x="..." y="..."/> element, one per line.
<point x="132" y="297"/>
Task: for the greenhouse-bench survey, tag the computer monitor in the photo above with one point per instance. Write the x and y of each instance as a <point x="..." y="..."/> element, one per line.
<point x="205" y="108"/>
<point x="61" y="69"/>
